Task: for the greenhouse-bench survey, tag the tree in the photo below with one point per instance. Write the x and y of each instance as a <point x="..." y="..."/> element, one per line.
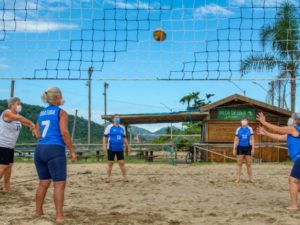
<point x="197" y="102"/>
<point x="186" y="99"/>
<point x="284" y="36"/>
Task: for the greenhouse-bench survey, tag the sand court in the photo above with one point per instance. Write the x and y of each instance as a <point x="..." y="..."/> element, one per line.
<point x="157" y="194"/>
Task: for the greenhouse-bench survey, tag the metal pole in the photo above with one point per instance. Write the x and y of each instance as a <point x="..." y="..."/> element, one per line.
<point x="272" y="91"/>
<point x="90" y="72"/>
<point x="12" y="88"/>
<point x="106" y="85"/>
<point x="74" y="124"/>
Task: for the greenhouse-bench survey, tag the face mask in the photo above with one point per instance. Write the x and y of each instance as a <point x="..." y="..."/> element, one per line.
<point x="244" y="123"/>
<point x="19" y="108"/>
<point x="117" y="120"/>
<point x="290" y="122"/>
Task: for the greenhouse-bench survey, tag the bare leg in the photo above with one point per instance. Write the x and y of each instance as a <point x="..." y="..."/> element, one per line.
<point x="109" y="169"/>
<point x="249" y="167"/>
<point x="2" y="170"/>
<point x="239" y="167"/>
<point x="59" y="196"/>
<point x="7" y="176"/>
<point x="123" y="169"/>
<point x="293" y="182"/>
<point x="40" y="196"/>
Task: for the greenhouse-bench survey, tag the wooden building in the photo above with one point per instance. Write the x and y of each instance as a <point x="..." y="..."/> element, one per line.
<point x="223" y="118"/>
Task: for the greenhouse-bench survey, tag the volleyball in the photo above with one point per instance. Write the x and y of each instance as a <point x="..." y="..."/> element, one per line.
<point x="159" y="35"/>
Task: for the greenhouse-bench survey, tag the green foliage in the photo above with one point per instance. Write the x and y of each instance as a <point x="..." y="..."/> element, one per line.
<point x="284" y="35"/>
<point x="196" y="101"/>
<point x="31" y="112"/>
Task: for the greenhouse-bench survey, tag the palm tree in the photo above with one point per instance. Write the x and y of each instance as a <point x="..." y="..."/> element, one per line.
<point x="197" y="102"/>
<point x="186" y="99"/>
<point x="284" y="36"/>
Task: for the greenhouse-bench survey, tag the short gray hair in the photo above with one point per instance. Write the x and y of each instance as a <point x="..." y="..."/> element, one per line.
<point x="12" y="101"/>
<point x="296" y="116"/>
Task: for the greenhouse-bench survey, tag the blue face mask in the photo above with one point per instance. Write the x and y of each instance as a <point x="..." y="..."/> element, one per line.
<point x="117" y="120"/>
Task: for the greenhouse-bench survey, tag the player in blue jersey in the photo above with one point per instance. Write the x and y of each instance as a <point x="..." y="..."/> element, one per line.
<point x="290" y="134"/>
<point x="243" y="147"/>
<point x="50" y="155"/>
<point x="113" y="144"/>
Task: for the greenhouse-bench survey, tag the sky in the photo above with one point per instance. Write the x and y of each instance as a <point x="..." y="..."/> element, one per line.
<point x="62" y="38"/>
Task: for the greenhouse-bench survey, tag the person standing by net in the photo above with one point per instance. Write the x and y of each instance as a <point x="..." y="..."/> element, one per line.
<point x="113" y="144"/>
<point x="10" y="126"/>
<point x="243" y="148"/>
<point x="290" y="134"/>
<point x="50" y="155"/>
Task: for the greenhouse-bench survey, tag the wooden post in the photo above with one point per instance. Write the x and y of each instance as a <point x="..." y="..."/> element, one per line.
<point x="195" y="157"/>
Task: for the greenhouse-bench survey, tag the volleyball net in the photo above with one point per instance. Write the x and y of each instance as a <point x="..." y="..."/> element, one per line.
<point x="113" y="39"/>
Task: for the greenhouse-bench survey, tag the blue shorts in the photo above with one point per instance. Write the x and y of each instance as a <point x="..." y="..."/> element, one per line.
<point x="295" y="172"/>
<point x="51" y="162"/>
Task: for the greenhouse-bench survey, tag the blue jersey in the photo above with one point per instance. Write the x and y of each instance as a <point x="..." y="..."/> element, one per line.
<point x="115" y="135"/>
<point x="48" y="120"/>
<point x="244" y="134"/>
<point x="293" y="144"/>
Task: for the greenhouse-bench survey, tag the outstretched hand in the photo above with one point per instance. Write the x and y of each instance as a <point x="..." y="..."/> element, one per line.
<point x="261" y="117"/>
<point x="34" y="132"/>
<point x="261" y="131"/>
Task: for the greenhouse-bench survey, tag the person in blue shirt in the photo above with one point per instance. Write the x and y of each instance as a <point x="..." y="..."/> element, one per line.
<point x="290" y="134"/>
<point x="113" y="144"/>
<point x="243" y="147"/>
<point x="50" y="154"/>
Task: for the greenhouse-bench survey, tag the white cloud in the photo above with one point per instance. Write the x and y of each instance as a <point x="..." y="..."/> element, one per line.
<point x="3" y="64"/>
<point x="126" y="5"/>
<point x="212" y="9"/>
<point x="31" y="26"/>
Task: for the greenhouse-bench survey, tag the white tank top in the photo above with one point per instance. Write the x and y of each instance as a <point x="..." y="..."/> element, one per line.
<point x="9" y="132"/>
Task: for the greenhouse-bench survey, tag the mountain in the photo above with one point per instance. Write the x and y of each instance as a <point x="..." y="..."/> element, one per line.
<point x="164" y="130"/>
<point x="31" y="112"/>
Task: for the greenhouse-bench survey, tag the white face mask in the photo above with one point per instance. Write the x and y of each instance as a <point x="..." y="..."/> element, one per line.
<point x="290" y="122"/>
<point x="244" y="123"/>
<point x="62" y="102"/>
<point x="19" y="108"/>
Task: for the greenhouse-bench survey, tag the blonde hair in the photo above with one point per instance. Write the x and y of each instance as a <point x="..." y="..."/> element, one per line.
<point x="50" y="95"/>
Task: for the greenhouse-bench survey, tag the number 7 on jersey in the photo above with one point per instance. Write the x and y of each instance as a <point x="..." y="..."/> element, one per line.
<point x="45" y="123"/>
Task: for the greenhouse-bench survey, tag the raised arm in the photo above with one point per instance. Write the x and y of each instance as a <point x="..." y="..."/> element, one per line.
<point x="9" y="116"/>
<point x="63" y="125"/>
<point x="277" y="137"/>
<point x="278" y="129"/>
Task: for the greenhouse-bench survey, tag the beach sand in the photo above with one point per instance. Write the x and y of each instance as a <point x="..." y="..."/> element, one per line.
<point x="157" y="195"/>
